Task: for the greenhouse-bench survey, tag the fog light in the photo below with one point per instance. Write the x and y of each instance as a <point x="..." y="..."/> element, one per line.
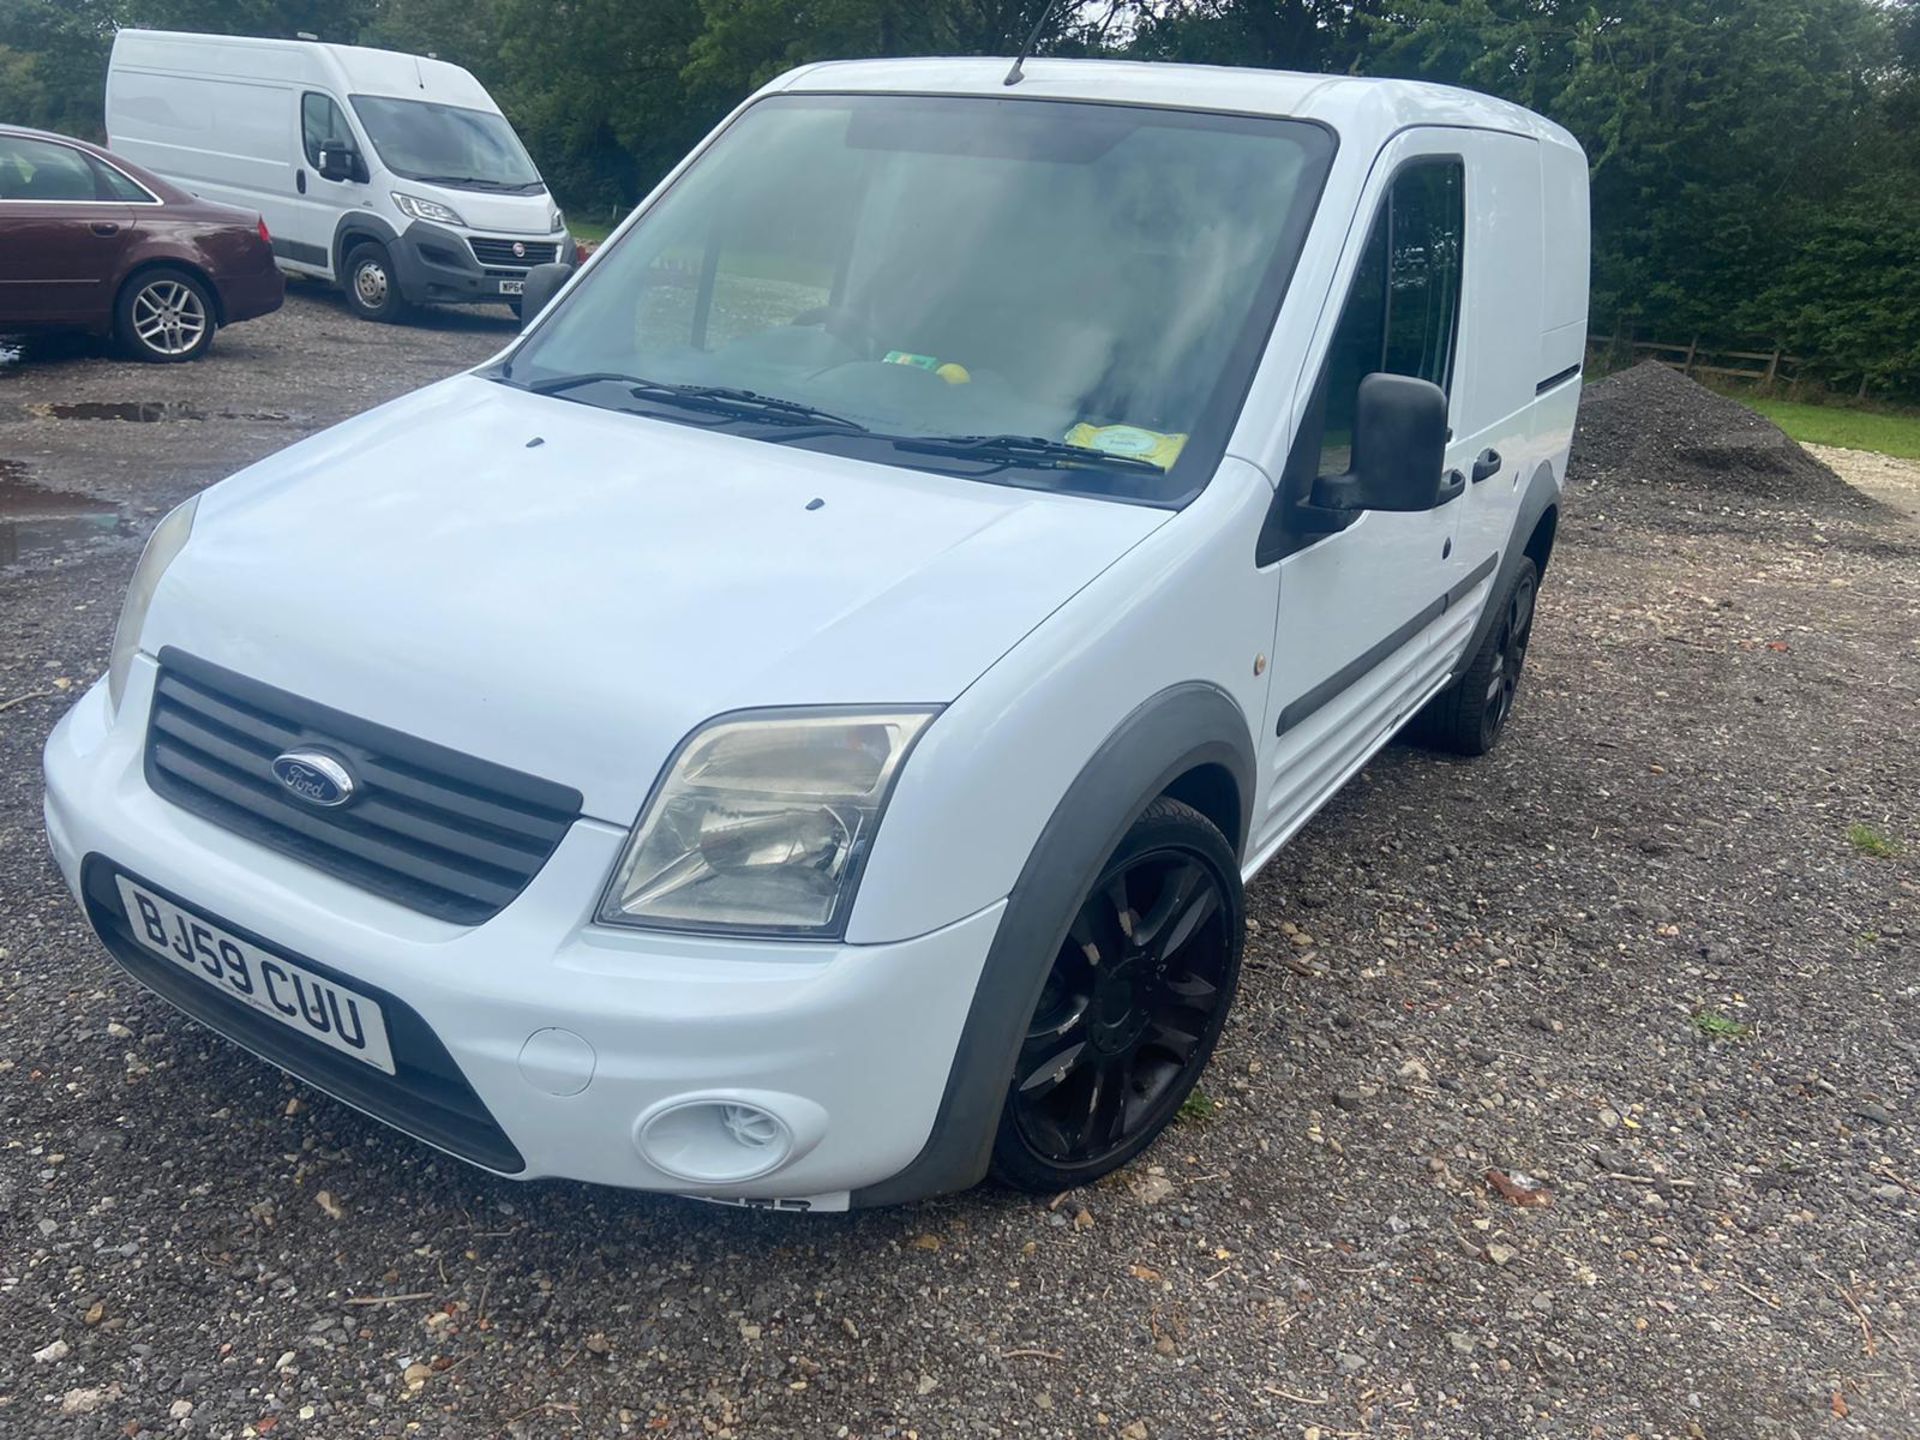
<point x="712" y="1142"/>
<point x="750" y="1126"/>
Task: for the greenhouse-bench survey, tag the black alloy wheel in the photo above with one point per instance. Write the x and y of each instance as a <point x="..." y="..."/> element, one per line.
<point x="1131" y="1008"/>
<point x="1510" y="637"/>
<point x="1469" y="716"/>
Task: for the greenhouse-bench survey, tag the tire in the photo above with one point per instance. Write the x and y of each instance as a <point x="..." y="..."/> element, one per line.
<point x="373" y="292"/>
<point x="1112" y="1052"/>
<point x="1470" y="715"/>
<point x="165" y="316"/>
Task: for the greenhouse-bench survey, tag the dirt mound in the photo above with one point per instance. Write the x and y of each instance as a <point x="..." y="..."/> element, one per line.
<point x="1651" y="425"/>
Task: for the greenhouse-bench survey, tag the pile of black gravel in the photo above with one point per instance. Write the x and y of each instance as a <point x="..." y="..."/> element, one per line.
<point x="1651" y="425"/>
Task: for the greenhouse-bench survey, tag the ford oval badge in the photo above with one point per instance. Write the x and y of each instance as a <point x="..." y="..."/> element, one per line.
<point x="315" y="777"/>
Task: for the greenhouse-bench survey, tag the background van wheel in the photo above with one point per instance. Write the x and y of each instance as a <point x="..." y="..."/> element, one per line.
<point x="1470" y="714"/>
<point x="164" y="316"/>
<point x="1132" y="1007"/>
<point x="373" y="290"/>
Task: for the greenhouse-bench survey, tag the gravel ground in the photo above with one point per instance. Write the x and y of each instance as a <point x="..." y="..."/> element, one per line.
<point x="1889" y="478"/>
<point x="1571" y="1093"/>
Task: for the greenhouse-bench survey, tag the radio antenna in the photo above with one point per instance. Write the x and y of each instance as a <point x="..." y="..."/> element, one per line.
<point x="1014" y="75"/>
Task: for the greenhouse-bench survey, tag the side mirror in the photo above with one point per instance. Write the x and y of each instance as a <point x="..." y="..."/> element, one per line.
<point x="1399" y="448"/>
<point x="543" y="283"/>
<point x="338" y="160"/>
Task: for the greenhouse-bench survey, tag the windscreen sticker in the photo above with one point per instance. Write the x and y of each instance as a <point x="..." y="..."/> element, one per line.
<point x="1131" y="440"/>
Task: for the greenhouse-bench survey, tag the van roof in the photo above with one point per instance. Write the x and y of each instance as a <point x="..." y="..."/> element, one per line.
<point x="356" y="68"/>
<point x="1355" y="106"/>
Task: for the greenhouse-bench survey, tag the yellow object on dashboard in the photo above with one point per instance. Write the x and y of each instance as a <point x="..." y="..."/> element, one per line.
<point x="1130" y="440"/>
<point x="951" y="373"/>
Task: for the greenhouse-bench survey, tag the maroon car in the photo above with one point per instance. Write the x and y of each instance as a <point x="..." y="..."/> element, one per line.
<point x="90" y="242"/>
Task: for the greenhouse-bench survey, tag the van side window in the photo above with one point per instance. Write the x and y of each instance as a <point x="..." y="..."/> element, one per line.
<point x="1403" y="310"/>
<point x="321" y="119"/>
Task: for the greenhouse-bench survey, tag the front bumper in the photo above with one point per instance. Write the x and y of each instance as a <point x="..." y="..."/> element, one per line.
<point x="435" y="265"/>
<point x="850" y="1045"/>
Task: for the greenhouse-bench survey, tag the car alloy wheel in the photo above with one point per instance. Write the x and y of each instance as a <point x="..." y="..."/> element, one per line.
<point x="1129" y="1010"/>
<point x="169" y="317"/>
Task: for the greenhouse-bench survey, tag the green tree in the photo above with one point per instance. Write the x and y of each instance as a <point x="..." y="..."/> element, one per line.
<point x="1313" y="35"/>
<point x="1701" y="120"/>
<point x="745" y="43"/>
<point x="1846" y="298"/>
<point x="22" y="92"/>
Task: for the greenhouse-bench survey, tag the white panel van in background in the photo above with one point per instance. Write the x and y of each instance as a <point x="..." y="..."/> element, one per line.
<point x="394" y="176"/>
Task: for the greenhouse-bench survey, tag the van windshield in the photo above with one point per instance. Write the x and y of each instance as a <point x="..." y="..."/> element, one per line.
<point x="1048" y="293"/>
<point x="446" y="145"/>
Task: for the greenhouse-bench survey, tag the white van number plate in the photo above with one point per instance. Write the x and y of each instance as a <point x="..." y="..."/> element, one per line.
<point x="271" y="984"/>
<point x="513" y="287"/>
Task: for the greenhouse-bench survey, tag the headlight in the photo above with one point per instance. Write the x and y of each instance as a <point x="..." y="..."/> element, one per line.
<point x="762" y="823"/>
<point x="168" y="539"/>
<point x="432" y="210"/>
<point x="558" y="222"/>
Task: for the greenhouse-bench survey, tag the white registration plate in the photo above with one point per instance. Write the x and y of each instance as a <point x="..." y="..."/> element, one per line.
<point x="272" y="984"/>
<point x="513" y="287"/>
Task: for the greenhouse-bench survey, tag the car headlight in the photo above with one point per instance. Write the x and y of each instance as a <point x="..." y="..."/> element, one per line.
<point x="421" y="209"/>
<point x="558" y="222"/>
<point x="762" y="823"/>
<point x="168" y="539"/>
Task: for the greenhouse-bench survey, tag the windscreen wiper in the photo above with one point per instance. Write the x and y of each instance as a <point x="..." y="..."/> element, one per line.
<point x="748" y="404"/>
<point x="1031" y="450"/>
<point x="712" y="399"/>
<point x="470" y="180"/>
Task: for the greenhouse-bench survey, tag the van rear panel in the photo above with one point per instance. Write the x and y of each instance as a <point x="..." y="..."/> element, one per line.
<point x="225" y="139"/>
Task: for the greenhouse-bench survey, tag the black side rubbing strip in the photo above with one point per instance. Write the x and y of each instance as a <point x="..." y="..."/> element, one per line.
<point x="1557" y="378"/>
<point x="1479" y="572"/>
<point x="1356" y="668"/>
<point x="299" y="250"/>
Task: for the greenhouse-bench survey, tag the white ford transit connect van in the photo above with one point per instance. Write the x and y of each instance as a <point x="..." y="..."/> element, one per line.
<point x="794" y="727"/>
<point x="395" y="176"/>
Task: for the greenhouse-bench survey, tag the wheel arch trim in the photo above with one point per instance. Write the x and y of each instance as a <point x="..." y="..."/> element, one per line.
<point x="1178" y="730"/>
<point x="357" y="225"/>
<point x="1541" y="495"/>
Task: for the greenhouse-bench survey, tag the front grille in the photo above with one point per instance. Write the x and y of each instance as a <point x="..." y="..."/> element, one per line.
<point x="427" y="1095"/>
<point x="430" y="828"/>
<point x="500" y="252"/>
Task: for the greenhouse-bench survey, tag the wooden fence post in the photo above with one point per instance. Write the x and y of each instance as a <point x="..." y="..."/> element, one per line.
<point x="1693" y="349"/>
<point x="1773" y="370"/>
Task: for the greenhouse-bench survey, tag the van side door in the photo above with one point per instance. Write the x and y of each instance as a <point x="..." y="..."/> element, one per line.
<point x="1494" y="409"/>
<point x="1352" y="651"/>
<point x="319" y="201"/>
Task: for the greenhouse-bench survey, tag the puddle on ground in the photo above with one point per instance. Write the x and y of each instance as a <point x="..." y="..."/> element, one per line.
<point x="33" y="520"/>
<point x="143" y="412"/>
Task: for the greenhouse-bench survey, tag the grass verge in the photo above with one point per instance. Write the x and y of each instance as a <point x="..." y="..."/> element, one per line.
<point x="1876" y="430"/>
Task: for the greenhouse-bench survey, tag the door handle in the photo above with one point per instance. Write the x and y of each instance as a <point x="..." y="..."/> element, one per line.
<point x="300" y="181"/>
<point x="1451" y="484"/>
<point x="1486" y="463"/>
<point x="104" y="227"/>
